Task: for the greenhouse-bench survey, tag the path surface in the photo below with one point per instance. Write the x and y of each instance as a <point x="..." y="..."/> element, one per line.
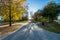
<point x="32" y="32"/>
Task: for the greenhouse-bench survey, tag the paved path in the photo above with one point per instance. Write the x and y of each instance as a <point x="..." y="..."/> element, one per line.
<point x="9" y="33"/>
<point x="12" y="24"/>
<point x="33" y="32"/>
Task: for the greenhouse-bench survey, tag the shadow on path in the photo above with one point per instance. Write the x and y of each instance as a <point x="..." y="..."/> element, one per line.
<point x="32" y="32"/>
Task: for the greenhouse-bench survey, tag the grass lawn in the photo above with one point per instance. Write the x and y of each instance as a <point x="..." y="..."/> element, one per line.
<point x="53" y="27"/>
<point x="7" y="29"/>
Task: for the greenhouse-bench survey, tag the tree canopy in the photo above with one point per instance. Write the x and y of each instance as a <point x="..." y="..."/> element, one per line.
<point x="49" y="12"/>
<point x="17" y="9"/>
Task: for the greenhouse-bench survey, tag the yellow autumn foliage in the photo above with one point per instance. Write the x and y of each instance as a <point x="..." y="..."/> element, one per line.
<point x="17" y="10"/>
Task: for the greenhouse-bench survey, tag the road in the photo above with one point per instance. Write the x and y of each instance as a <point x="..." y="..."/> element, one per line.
<point x="32" y="32"/>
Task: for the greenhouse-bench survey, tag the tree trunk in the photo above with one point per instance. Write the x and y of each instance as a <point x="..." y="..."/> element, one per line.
<point x="9" y="12"/>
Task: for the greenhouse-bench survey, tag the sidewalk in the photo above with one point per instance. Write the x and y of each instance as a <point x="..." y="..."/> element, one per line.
<point x="2" y="36"/>
<point x="12" y="24"/>
<point x="6" y="28"/>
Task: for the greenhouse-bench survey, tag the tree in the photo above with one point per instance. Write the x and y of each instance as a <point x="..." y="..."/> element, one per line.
<point x="50" y="11"/>
<point x="25" y="16"/>
<point x="13" y="10"/>
<point x="58" y="8"/>
<point x="38" y="15"/>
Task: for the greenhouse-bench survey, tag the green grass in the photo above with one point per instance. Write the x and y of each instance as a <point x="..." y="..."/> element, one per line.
<point x="53" y="27"/>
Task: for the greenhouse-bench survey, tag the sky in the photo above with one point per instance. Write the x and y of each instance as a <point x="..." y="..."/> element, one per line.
<point x="34" y="5"/>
